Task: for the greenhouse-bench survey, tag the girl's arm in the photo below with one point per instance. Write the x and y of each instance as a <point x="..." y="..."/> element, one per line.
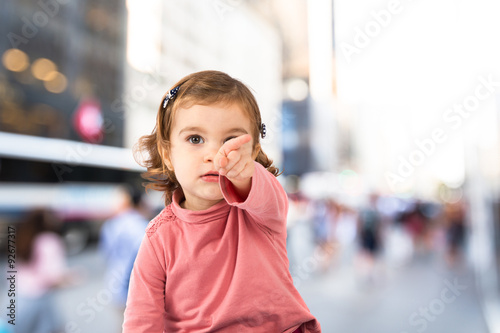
<point x="146" y="297"/>
<point x="248" y="185"/>
<point x="266" y="201"/>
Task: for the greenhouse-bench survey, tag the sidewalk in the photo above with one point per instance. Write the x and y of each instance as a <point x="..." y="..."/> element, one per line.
<point x="420" y="296"/>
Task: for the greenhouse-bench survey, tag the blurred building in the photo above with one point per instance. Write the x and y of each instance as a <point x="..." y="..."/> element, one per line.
<point x="167" y="42"/>
<point x="80" y="82"/>
<point x="297" y="152"/>
<point x="312" y="140"/>
<point x="61" y="70"/>
<point x="425" y="113"/>
<point x="58" y="58"/>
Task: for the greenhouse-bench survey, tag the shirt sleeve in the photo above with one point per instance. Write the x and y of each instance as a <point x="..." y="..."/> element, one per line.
<point x="146" y="297"/>
<point x="267" y="201"/>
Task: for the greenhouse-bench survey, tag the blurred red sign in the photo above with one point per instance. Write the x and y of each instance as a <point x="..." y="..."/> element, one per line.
<point x="88" y="121"/>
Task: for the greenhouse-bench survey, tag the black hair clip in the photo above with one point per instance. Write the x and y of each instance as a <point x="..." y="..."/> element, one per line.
<point x="171" y="94"/>
<point x="263" y="130"/>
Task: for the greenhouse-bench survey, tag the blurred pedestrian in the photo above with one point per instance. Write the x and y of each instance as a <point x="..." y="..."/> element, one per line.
<point x="455" y="226"/>
<point x="120" y="239"/>
<point x="41" y="268"/>
<point x="369" y="229"/>
<point x="214" y="260"/>
<point x="324" y="211"/>
<point x="345" y="229"/>
<point x="417" y="225"/>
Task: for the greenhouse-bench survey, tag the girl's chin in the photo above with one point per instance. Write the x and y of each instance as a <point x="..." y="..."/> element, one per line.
<point x="211" y="198"/>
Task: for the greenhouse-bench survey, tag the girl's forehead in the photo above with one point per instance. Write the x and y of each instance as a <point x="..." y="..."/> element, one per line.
<point x="231" y="109"/>
<point x="224" y="103"/>
<point x="211" y="115"/>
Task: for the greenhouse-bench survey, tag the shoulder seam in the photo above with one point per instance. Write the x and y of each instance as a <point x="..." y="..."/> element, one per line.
<point x="165" y="216"/>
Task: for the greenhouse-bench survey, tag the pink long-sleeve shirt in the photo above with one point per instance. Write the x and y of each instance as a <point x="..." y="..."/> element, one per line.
<point x="224" y="269"/>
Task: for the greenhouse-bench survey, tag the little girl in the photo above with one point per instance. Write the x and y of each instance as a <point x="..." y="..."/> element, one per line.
<point x="214" y="260"/>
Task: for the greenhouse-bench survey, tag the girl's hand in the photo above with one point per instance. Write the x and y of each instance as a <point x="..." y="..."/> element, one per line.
<point x="234" y="160"/>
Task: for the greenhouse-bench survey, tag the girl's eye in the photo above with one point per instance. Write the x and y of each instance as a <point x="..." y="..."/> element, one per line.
<point x="231" y="137"/>
<point x="195" y="139"/>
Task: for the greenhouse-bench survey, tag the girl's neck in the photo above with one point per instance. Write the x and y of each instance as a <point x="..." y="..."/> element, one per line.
<point x="197" y="206"/>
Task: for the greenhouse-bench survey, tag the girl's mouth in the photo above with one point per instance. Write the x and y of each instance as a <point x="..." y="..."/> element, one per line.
<point x="211" y="177"/>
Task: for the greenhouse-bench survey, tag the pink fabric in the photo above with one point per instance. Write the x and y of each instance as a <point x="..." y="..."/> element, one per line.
<point x="224" y="269"/>
<point x="46" y="269"/>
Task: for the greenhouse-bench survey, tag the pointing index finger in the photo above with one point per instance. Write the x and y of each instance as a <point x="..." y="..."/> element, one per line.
<point x="235" y="143"/>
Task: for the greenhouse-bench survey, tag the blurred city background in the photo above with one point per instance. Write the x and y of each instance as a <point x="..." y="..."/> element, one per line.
<point x="383" y="115"/>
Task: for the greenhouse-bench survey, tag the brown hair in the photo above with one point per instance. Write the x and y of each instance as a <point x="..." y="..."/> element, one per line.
<point x="202" y="88"/>
<point x="31" y="225"/>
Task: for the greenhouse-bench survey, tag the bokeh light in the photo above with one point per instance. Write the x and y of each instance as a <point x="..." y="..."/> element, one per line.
<point x="297" y="89"/>
<point x="15" y="60"/>
<point x="55" y="82"/>
<point x="42" y="69"/>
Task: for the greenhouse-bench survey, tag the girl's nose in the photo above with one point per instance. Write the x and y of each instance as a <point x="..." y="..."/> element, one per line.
<point x="210" y="153"/>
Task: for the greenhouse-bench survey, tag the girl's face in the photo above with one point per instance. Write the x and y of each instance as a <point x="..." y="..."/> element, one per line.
<point x="197" y="134"/>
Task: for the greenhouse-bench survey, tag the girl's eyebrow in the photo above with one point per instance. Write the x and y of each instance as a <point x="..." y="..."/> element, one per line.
<point x="201" y="130"/>
<point x="238" y="130"/>
<point x="192" y="129"/>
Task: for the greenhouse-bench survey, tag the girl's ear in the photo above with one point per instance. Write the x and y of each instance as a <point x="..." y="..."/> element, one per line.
<point x="256" y="151"/>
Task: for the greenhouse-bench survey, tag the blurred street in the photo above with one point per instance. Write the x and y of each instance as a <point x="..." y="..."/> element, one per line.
<point x="396" y="301"/>
<point x="87" y="306"/>
<point x="420" y="296"/>
<point x="383" y="118"/>
<point x="392" y="304"/>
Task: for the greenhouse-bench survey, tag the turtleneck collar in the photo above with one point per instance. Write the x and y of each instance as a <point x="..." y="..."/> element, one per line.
<point x="216" y="212"/>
